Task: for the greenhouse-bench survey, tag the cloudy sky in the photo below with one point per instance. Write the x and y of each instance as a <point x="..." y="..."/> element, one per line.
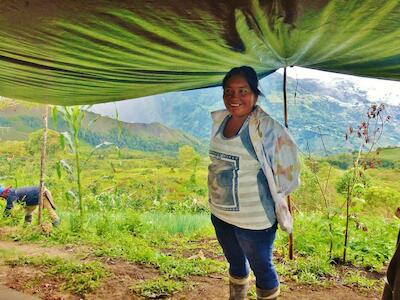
<point x="380" y="91"/>
<point x="383" y="90"/>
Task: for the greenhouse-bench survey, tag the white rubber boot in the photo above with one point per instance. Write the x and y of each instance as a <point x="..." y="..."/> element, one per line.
<point x="271" y="294"/>
<point x="238" y="288"/>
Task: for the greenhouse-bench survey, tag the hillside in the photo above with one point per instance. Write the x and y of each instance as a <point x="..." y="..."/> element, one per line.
<point x="316" y="109"/>
<point x="146" y="231"/>
<point x="18" y="120"/>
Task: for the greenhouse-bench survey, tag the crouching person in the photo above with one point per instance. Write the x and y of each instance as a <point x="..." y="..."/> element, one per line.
<point x="29" y="196"/>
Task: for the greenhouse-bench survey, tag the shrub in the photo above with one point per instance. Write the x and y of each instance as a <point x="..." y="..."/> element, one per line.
<point x="35" y="142"/>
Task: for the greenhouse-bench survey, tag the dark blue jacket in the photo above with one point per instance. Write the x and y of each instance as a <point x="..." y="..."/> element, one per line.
<point x="28" y="195"/>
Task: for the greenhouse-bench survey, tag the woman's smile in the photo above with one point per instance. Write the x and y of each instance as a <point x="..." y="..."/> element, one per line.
<point x="239" y="99"/>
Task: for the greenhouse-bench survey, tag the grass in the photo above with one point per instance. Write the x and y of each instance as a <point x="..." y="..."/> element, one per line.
<point x="161" y="287"/>
<point x="372" y="239"/>
<point x="6" y="254"/>
<point x="307" y="270"/>
<point x="140" y="237"/>
<point x="151" y="213"/>
<point x="78" y="277"/>
<point x="390" y="154"/>
<point x="131" y="236"/>
<point x="358" y="279"/>
<point x="184" y="224"/>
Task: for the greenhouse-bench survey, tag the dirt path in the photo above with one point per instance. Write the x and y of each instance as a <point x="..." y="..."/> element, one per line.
<point x="125" y="274"/>
<point x="9" y="294"/>
<point x="35" y="249"/>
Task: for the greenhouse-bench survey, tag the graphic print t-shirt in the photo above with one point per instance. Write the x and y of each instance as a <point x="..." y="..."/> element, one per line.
<point x="238" y="189"/>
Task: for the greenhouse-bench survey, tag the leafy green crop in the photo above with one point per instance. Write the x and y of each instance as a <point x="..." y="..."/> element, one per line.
<point x="79" y="278"/>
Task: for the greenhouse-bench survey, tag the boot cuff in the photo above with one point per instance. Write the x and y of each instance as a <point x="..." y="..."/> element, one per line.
<point x="239" y="281"/>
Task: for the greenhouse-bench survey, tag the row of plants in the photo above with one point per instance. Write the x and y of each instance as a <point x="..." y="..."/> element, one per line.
<point x="131" y="205"/>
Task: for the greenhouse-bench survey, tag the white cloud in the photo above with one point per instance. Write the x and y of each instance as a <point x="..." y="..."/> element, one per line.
<point x="378" y="90"/>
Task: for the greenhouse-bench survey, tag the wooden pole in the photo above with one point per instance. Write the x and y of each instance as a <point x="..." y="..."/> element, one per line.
<point x="43" y="161"/>
<point x="289" y="200"/>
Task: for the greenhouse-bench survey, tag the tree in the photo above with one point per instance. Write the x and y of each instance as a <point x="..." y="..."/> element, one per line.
<point x="35" y="141"/>
<point x="366" y="135"/>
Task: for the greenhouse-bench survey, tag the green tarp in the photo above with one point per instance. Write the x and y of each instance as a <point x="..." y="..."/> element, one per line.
<point x="92" y="51"/>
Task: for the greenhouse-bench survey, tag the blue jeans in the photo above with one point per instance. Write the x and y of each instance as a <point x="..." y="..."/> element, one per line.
<point x="245" y="248"/>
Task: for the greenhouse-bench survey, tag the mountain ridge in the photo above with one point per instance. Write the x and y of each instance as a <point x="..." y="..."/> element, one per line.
<point x="19" y="119"/>
<point x="316" y="109"/>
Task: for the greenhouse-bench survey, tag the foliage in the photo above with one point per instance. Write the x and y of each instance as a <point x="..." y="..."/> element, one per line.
<point x="187" y="157"/>
<point x="25" y="118"/>
<point x="6" y="103"/>
<point x="368" y="133"/>
<point x="342" y="161"/>
<point x="357" y="279"/>
<point x="156" y="216"/>
<point x="366" y="250"/>
<point x="140" y="143"/>
<point x="307" y="270"/>
<point x="35" y="142"/>
<point x="360" y="181"/>
<point x="158" y="288"/>
<point x="307" y="196"/>
<point x="380" y="199"/>
<point x="177" y="223"/>
<point x="74" y="118"/>
<point x="80" y="278"/>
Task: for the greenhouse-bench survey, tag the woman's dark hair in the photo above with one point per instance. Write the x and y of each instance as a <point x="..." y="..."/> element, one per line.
<point x="248" y="73"/>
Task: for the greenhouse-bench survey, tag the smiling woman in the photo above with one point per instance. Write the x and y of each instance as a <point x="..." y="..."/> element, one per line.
<point x="240" y="96"/>
<point x="240" y="93"/>
<point x="245" y="145"/>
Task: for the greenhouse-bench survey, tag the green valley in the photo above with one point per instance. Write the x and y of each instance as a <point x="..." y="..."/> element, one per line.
<point x="146" y="232"/>
<point x="19" y="119"/>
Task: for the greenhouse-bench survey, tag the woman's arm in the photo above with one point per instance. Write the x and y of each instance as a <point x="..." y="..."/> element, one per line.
<point x="284" y="159"/>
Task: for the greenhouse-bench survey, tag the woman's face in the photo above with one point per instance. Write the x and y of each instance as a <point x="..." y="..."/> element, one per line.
<point x="239" y="99"/>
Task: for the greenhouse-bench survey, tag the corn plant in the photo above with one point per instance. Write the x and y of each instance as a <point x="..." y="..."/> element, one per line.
<point x="74" y="117"/>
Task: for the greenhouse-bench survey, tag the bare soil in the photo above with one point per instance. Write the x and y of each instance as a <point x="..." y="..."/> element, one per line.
<point x="33" y="281"/>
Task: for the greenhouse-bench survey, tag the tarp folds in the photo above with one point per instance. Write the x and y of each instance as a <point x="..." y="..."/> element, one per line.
<point x="84" y="52"/>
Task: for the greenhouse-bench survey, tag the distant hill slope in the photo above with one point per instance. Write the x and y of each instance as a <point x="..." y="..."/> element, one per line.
<point x="316" y="109"/>
<point x="18" y="120"/>
<point x="388" y="158"/>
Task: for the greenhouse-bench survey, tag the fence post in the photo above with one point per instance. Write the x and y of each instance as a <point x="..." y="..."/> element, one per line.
<point x="43" y="161"/>
<point x="289" y="200"/>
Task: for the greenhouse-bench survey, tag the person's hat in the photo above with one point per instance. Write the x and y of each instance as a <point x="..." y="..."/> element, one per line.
<point x="4" y="191"/>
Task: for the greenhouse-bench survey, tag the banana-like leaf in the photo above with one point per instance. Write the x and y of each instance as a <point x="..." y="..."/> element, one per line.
<point x="58" y="169"/>
<point x="70" y="52"/>
<point x="65" y="136"/>
<point x="64" y="164"/>
<point x="97" y="147"/>
<point x="54" y="112"/>
<point x="71" y="194"/>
